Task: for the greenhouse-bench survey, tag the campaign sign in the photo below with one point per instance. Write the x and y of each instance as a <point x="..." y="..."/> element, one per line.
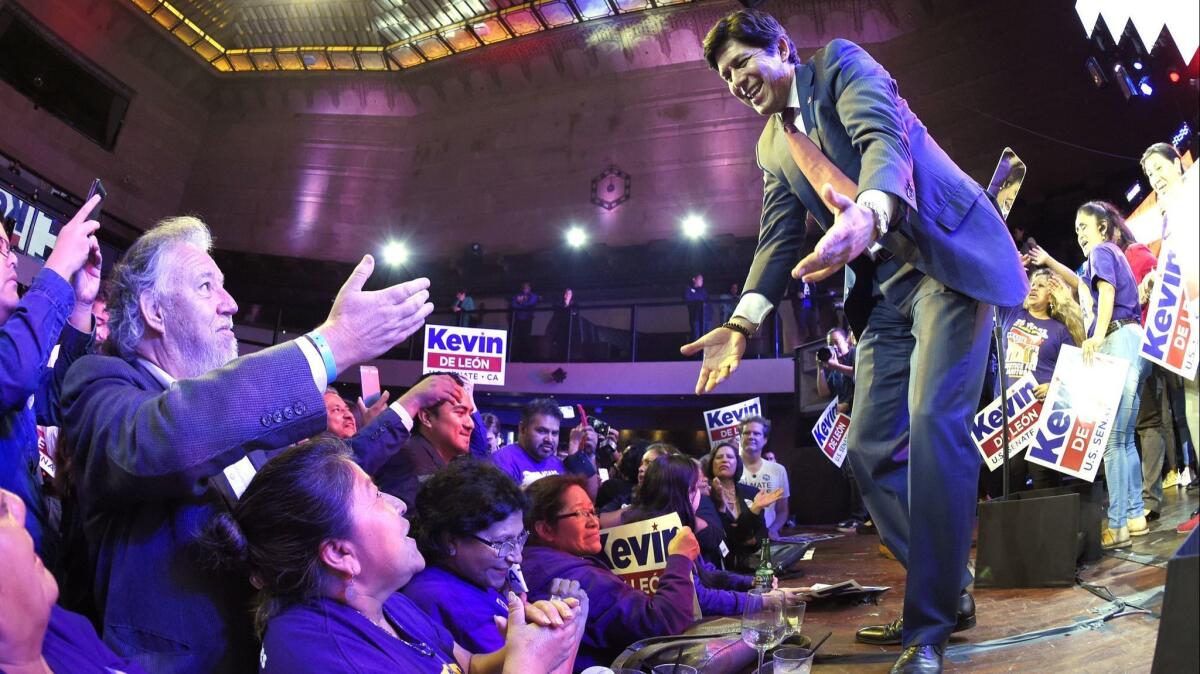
<point x="830" y="433"/>
<point x="1023" y="412"/>
<point x="1170" y="337"/>
<point x="722" y="424"/>
<point x="637" y="552"/>
<point x="475" y="354"/>
<point x="35" y="229"/>
<point x="1077" y="416"/>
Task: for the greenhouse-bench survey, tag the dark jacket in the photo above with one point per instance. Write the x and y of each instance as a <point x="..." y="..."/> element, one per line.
<point x="743" y="533"/>
<point x="150" y="462"/>
<point x="947" y="227"/>
<point x="403" y="473"/>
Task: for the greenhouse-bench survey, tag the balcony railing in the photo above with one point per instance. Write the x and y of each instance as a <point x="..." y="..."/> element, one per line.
<point x="606" y="332"/>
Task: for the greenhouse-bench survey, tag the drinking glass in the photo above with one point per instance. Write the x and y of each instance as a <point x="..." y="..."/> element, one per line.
<point x="792" y="661"/>
<point x="793" y="612"/>
<point x="675" y="669"/>
<point x="763" y="626"/>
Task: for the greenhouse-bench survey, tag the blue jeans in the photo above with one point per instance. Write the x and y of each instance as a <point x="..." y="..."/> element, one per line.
<point x="1122" y="467"/>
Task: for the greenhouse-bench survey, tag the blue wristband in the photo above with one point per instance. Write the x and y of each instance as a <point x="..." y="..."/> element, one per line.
<point x="318" y="340"/>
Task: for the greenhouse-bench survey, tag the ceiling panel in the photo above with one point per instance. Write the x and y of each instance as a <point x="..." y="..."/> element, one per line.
<point x="249" y="36"/>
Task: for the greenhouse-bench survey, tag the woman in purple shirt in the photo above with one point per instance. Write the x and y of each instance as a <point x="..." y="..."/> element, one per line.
<point x="328" y="552"/>
<point x="36" y="636"/>
<point x="1114" y="329"/>
<point x="565" y="544"/>
<point x="1037" y="330"/>
<point x="469" y="527"/>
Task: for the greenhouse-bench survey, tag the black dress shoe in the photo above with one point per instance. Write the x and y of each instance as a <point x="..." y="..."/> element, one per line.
<point x="889" y="634"/>
<point x="925" y="659"/>
<point x="1153" y="516"/>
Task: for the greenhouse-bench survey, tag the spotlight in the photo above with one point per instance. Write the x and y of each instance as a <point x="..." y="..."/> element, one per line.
<point x="1124" y="82"/>
<point x="694" y="226"/>
<point x="1173" y="76"/>
<point x="1096" y="71"/>
<point x="395" y="253"/>
<point x="1137" y="65"/>
<point x="1145" y="87"/>
<point x="576" y="237"/>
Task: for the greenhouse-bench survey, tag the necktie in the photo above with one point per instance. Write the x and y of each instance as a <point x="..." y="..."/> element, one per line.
<point x="815" y="166"/>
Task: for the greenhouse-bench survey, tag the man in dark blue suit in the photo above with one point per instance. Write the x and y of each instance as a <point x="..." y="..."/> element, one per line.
<point x="170" y="429"/>
<point x="925" y="253"/>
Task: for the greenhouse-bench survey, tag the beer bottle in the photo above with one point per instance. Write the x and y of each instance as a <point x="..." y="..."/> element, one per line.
<point x="764" y="575"/>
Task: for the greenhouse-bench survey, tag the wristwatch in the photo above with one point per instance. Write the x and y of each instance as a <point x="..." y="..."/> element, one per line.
<point x="881" y="221"/>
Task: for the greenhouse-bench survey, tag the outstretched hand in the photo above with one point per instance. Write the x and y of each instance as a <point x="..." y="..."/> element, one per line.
<point x="723" y="349"/>
<point x="852" y="231"/>
<point x="364" y="324"/>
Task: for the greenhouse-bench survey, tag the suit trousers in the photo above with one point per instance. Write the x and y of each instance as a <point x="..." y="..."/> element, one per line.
<point x="919" y="373"/>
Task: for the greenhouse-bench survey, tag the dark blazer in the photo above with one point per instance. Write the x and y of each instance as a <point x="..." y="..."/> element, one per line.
<point x="150" y="462"/>
<point x="947" y="227"/>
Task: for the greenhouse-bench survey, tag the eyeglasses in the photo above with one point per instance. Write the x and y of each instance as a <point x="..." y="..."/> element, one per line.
<point x="505" y="548"/>
<point x="585" y="514"/>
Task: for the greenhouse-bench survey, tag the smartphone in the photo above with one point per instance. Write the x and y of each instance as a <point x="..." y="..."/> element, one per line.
<point x="568" y="412"/>
<point x="369" y="374"/>
<point x="97" y="188"/>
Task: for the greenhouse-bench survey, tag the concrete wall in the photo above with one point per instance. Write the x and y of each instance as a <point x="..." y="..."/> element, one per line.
<point x="163" y="132"/>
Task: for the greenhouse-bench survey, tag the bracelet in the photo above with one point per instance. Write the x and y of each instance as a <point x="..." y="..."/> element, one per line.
<point x="743" y="330"/>
<point x="322" y="346"/>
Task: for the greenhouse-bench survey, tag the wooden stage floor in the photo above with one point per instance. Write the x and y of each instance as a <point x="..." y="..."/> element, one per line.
<point x="1122" y="644"/>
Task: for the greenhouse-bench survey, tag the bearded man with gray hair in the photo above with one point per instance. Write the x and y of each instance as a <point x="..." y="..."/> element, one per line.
<point x="164" y="432"/>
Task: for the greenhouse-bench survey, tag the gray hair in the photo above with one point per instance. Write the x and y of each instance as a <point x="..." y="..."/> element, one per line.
<point x="755" y="419"/>
<point x="141" y="270"/>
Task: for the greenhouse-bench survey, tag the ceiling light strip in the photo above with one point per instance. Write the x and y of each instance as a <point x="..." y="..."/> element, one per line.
<point x="399" y="55"/>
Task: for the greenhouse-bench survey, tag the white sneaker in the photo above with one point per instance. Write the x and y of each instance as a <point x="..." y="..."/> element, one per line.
<point x="1137" y="526"/>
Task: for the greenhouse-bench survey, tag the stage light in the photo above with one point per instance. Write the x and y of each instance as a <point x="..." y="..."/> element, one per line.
<point x="1096" y="72"/>
<point x="1173" y="76"/>
<point x="1137" y="65"/>
<point x="1133" y="192"/>
<point x="576" y="237"/>
<point x="694" y="227"/>
<point x="395" y="253"/>
<point x="1124" y="82"/>
<point x="1145" y="86"/>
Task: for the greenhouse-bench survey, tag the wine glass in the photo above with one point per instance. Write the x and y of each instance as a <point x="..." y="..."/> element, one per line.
<point x="763" y="625"/>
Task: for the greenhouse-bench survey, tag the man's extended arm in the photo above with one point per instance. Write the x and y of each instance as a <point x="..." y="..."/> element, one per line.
<point x="145" y="444"/>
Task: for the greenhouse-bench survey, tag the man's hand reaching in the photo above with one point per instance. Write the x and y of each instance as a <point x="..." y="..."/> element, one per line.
<point x="723" y="349"/>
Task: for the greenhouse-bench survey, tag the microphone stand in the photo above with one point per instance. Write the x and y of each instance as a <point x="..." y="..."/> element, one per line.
<point x="998" y="336"/>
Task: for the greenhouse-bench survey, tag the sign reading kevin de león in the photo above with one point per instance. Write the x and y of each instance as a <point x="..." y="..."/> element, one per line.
<point x="475" y="354"/>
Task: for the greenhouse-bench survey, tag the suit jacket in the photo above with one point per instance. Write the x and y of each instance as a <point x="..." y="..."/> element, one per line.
<point x="151" y="461"/>
<point x="947" y="227"/>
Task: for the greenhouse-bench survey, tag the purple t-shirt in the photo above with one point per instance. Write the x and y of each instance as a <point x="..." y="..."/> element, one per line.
<point x="1108" y="263"/>
<point x="523" y="470"/>
<point x="466" y="610"/>
<point x="71" y="645"/>
<point x="323" y="636"/>
<point x="1032" y="345"/>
